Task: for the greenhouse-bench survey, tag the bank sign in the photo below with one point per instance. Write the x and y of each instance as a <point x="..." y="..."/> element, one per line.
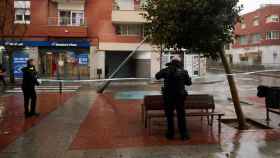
<point x="20" y="59"/>
<point x="70" y="43"/>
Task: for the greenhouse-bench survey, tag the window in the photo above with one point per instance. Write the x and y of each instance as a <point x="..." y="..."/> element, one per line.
<point x="273" y="35"/>
<point x="243" y="40"/>
<point x="256" y="21"/>
<point x="272" y="18"/>
<point x="71" y="18"/>
<point x="129" y="30"/>
<point x="22" y="12"/>
<point x="256" y="38"/>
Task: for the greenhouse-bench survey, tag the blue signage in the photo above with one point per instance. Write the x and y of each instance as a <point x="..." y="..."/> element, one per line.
<point x="70" y="43"/>
<point x="20" y="59"/>
<point x="83" y="59"/>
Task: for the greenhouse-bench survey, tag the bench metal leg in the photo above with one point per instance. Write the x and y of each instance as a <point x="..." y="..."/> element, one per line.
<point x="211" y="120"/>
<point x="219" y="122"/>
<point x="267" y="115"/>
<point x="208" y="120"/>
<point x="146" y="120"/>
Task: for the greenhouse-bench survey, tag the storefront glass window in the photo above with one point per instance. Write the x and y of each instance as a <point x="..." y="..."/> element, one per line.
<point x="65" y="63"/>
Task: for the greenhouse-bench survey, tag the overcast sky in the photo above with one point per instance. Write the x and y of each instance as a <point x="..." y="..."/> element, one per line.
<point x="251" y="5"/>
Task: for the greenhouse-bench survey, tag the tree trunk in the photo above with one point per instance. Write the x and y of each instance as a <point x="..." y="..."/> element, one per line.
<point x="10" y="52"/>
<point x="234" y="92"/>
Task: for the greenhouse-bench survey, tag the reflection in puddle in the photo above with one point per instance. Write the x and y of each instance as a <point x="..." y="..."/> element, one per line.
<point x="134" y="95"/>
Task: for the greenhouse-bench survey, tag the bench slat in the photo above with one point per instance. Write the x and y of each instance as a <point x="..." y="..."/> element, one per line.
<point x="274" y="110"/>
<point x="199" y="101"/>
<point x="161" y="114"/>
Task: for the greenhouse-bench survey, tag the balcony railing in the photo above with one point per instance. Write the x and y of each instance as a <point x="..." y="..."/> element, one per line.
<point x="66" y="21"/>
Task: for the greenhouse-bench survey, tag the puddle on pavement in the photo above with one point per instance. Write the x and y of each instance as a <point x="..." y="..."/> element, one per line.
<point x="252" y="125"/>
<point x="134" y="95"/>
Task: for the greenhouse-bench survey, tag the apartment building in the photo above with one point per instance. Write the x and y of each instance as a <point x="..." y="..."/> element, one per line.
<point x="257" y="38"/>
<point x="85" y="38"/>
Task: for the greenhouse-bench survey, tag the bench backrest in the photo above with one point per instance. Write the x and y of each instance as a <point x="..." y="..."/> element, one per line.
<point x="195" y="101"/>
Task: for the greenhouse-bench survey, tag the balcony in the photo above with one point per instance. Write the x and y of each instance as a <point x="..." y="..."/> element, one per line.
<point x="128" y="16"/>
<point x="125" y="11"/>
<point x="67" y="27"/>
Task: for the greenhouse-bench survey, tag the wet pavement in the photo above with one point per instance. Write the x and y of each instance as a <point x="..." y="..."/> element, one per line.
<point x="90" y="125"/>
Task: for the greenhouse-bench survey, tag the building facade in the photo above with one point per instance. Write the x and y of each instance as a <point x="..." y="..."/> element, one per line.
<point x="257" y="38"/>
<point x="83" y="38"/>
<point x="79" y="39"/>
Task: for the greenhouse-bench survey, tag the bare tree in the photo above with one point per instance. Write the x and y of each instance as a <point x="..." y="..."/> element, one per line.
<point x="11" y="31"/>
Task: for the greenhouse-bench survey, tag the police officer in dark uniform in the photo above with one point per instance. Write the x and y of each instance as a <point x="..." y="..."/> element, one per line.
<point x="174" y="94"/>
<point x="28" y="87"/>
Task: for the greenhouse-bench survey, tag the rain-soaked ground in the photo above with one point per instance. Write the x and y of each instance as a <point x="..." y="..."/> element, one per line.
<point x="84" y="124"/>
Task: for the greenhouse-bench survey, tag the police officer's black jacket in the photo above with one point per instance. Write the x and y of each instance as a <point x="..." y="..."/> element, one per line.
<point x="175" y="79"/>
<point x="29" y="77"/>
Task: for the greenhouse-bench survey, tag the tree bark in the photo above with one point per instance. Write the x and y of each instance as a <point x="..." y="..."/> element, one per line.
<point x="234" y="92"/>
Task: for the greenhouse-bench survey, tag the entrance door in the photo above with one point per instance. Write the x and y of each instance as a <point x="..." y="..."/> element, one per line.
<point x="113" y="60"/>
<point x="49" y="64"/>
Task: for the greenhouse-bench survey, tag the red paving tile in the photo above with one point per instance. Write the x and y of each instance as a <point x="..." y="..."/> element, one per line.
<point x="256" y="100"/>
<point x="117" y="124"/>
<point x="14" y="122"/>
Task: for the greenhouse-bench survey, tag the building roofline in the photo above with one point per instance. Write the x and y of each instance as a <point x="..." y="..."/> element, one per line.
<point x="262" y="6"/>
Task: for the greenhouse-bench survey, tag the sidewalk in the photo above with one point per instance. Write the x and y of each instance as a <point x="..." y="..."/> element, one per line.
<point x="266" y="74"/>
<point x="90" y="125"/>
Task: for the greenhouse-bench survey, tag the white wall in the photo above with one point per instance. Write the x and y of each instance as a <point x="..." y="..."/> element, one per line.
<point x="97" y="61"/>
<point x="71" y="6"/>
<point x="142" y="55"/>
<point x="155" y="63"/>
<point x="267" y="54"/>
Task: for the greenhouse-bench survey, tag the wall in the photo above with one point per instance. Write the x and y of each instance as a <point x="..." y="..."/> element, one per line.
<point x="263" y="27"/>
<point x="97" y="61"/>
<point x="99" y="13"/>
<point x="155" y="63"/>
<point x="267" y="54"/>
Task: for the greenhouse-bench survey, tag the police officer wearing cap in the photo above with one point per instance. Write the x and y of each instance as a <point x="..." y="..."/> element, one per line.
<point x="29" y="82"/>
<point x="174" y="94"/>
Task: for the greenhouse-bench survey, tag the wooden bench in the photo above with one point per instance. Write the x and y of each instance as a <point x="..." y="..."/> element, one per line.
<point x="196" y="105"/>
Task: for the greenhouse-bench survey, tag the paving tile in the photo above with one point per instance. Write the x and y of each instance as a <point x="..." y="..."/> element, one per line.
<point x="14" y="121"/>
<point x="71" y="154"/>
<point x="98" y="126"/>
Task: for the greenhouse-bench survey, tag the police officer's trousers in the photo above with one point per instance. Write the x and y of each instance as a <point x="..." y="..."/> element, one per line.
<point x="29" y="94"/>
<point x="172" y="102"/>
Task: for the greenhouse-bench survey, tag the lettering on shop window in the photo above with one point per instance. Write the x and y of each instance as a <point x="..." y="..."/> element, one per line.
<point x="64" y="44"/>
